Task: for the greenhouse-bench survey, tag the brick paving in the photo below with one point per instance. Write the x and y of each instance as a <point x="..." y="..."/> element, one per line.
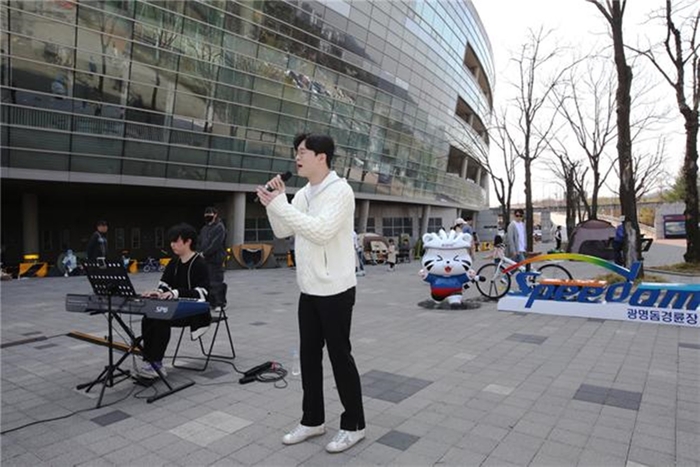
<point x="448" y="387"/>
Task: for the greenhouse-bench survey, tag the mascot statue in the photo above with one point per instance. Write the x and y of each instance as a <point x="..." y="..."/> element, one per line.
<point x="447" y="268"/>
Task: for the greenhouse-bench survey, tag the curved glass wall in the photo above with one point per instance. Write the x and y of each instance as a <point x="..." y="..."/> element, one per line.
<point x="215" y="90"/>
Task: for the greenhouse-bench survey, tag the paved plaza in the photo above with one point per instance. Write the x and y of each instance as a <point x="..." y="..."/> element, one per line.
<point x="463" y="387"/>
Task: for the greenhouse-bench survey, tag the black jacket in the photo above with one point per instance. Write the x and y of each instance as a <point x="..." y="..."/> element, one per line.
<point x="211" y="242"/>
<point x="97" y="246"/>
<point x="190" y="279"/>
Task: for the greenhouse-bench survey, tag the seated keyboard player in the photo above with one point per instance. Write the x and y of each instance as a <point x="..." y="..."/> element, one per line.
<point x="186" y="276"/>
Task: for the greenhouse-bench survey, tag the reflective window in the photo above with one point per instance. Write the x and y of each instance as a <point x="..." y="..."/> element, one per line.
<point x="214" y="89"/>
<point x="258" y="229"/>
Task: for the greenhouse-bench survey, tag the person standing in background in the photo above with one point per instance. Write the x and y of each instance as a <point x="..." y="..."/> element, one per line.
<point x="321" y="216"/>
<point x="360" y="265"/>
<point x="619" y="242"/>
<point x="97" y="245"/>
<point x="391" y="255"/>
<point x="515" y="237"/>
<point x="211" y="245"/>
<point x="557" y="237"/>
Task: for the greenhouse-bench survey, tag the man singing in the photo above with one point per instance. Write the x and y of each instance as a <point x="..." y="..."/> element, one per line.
<point x="321" y="218"/>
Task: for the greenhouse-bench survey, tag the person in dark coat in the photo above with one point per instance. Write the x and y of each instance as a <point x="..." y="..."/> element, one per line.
<point x="97" y="245"/>
<point x="211" y="246"/>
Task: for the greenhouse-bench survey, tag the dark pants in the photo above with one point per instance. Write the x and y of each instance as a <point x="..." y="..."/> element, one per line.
<point x="617" y="249"/>
<point x="326" y="320"/>
<point x="558" y="247"/>
<point x="217" y="288"/>
<point x="156" y="333"/>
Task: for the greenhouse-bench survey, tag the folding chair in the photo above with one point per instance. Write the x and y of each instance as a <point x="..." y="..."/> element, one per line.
<point x="216" y="320"/>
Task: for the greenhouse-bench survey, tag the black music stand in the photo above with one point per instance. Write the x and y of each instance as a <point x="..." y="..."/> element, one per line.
<point x="110" y="279"/>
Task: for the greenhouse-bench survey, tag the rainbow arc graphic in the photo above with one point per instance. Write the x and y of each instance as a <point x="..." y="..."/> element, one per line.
<point x="629" y="274"/>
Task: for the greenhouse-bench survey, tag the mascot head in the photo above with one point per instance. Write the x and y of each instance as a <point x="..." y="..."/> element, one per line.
<point x="447" y="254"/>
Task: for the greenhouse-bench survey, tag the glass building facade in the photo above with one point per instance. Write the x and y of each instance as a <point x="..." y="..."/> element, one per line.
<point x="208" y="94"/>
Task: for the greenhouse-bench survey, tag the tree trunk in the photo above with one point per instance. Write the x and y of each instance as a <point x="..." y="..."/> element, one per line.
<point x="628" y="201"/>
<point x="528" y="203"/>
<point x="690" y="169"/>
<point x="593" y="211"/>
<point x="571" y="198"/>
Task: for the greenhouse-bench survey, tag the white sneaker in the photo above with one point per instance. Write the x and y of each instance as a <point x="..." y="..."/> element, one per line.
<point x="199" y="332"/>
<point x="344" y="440"/>
<point x="148" y="370"/>
<point x="302" y="433"/>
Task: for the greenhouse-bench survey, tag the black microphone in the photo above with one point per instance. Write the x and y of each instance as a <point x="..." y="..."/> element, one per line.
<point x="260" y="368"/>
<point x="285" y="176"/>
<point x="252" y="374"/>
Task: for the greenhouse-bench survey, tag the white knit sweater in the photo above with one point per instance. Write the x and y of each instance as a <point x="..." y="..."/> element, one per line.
<point x="322" y="223"/>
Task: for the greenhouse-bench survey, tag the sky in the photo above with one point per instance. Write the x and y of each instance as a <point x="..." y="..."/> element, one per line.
<point x="573" y="22"/>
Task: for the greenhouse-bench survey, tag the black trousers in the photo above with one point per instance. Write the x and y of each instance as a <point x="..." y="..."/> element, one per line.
<point x="326" y="320"/>
<point x="156" y="333"/>
<point x="217" y="288"/>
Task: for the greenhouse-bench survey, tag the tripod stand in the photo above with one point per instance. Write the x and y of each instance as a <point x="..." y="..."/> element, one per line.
<point x="110" y="279"/>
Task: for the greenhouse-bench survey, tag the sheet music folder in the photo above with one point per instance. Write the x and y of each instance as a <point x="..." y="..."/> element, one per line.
<point x="109" y="278"/>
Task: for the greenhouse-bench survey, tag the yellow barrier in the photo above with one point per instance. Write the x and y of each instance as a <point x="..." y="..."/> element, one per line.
<point x="33" y="269"/>
<point x="133" y="266"/>
<point x="164" y="261"/>
<point x="485" y="246"/>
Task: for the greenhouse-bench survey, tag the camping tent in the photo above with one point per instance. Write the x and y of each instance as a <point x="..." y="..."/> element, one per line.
<point x="592" y="237"/>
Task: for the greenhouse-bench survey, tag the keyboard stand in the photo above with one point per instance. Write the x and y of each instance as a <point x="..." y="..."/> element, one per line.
<point x="110" y="279"/>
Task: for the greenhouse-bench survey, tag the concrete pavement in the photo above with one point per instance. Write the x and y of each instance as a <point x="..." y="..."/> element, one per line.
<point x="472" y="387"/>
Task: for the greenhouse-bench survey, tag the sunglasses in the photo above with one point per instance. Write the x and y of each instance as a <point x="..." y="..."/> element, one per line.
<point x="518" y="215"/>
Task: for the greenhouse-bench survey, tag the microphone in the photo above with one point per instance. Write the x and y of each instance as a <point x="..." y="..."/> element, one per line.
<point x="260" y="368"/>
<point x="285" y="176"/>
<point x="252" y="374"/>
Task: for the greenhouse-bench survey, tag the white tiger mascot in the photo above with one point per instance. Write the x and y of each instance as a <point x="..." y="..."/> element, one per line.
<point x="447" y="265"/>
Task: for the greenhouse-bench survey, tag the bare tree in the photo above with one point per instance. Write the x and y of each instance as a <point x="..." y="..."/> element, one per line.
<point x="681" y="46"/>
<point x="502" y="170"/>
<point x="649" y="169"/>
<point x="613" y="11"/>
<point x="587" y="103"/>
<point x="534" y="124"/>
<point x="568" y="174"/>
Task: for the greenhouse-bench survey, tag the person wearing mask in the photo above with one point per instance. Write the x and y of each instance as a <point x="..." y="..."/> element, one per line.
<point x="516" y="242"/>
<point x="211" y="246"/>
<point x="97" y="245"/>
<point x="321" y="217"/>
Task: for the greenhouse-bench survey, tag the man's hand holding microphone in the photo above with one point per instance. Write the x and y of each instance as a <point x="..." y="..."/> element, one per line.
<point x="272" y="188"/>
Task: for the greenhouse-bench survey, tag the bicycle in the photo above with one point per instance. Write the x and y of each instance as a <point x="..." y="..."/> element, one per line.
<point x="153" y="265"/>
<point x="495" y="282"/>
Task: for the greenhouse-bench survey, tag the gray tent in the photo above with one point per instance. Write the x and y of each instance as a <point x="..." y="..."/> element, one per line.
<point x="592" y="237"/>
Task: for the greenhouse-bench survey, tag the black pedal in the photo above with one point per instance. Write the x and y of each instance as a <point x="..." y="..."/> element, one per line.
<point x="143" y="382"/>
